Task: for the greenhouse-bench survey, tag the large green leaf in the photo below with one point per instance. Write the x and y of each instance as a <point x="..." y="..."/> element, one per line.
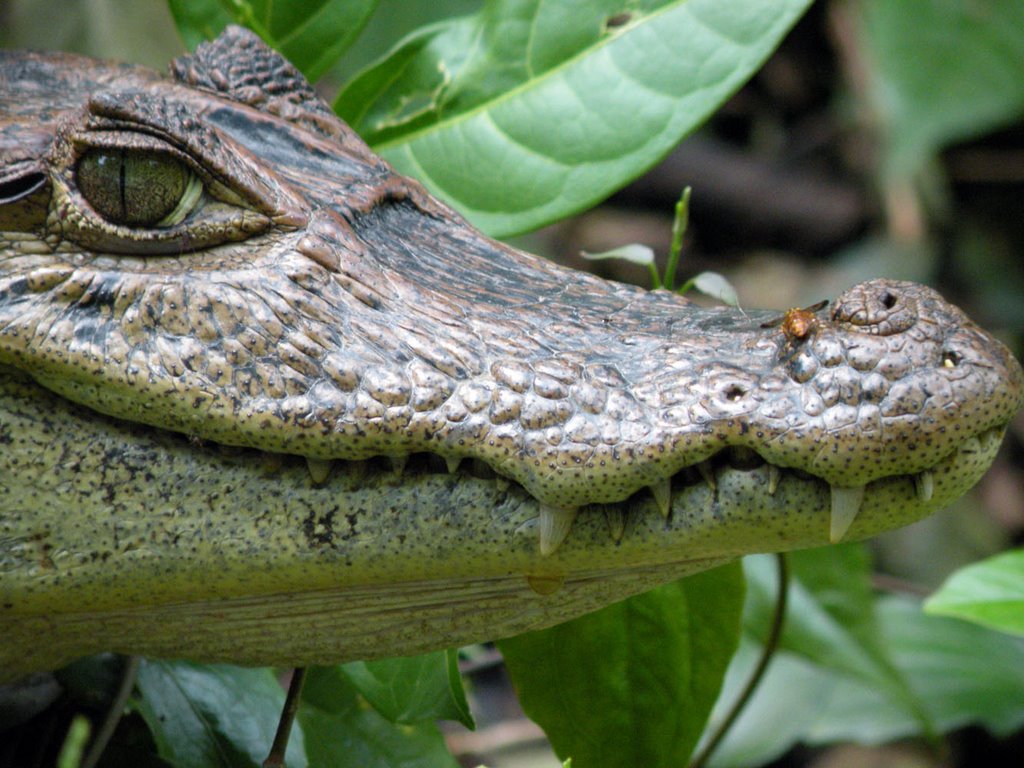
<point x="942" y="71"/>
<point x="312" y="34"/>
<point x="212" y="716"/>
<point x="961" y="673"/>
<point x="225" y="717"/>
<point x="530" y="110"/>
<point x="990" y="593"/>
<point x="830" y="619"/>
<point x="957" y="673"/>
<point x="632" y="684"/>
<point x="413" y="689"/>
<point x="341" y="731"/>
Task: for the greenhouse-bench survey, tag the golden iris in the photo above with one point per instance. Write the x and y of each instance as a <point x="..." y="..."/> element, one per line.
<point x="137" y="187"/>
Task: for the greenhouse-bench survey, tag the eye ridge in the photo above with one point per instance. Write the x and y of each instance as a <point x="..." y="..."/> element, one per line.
<point x="137" y="187"/>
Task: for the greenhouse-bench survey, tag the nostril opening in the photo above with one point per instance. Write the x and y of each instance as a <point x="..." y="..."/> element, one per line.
<point x="951" y="359"/>
<point x="734" y="393"/>
<point x="888" y="300"/>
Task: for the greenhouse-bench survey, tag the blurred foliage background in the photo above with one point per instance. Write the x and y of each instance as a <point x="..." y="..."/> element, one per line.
<point x="883" y="138"/>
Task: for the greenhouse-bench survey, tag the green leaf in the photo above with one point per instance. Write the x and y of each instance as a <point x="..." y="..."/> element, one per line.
<point x="715" y="285"/>
<point x="783" y="709"/>
<point x="529" y="110"/>
<point x="312" y="34"/>
<point x="830" y="619"/>
<point x="962" y="673"/>
<point x="831" y="634"/>
<point x="634" y="253"/>
<point x="830" y="631"/>
<point x="199" y="20"/>
<point x="212" y="716"/>
<point x="631" y="684"/>
<point x="414" y="689"/>
<point x="959" y="674"/>
<point x="990" y="593"/>
<point x="839" y="579"/>
<point x="73" y="749"/>
<point x="341" y="731"/>
<point x="925" y="97"/>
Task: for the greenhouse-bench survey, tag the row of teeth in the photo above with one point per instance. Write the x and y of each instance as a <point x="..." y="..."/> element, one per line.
<point x="556" y="522"/>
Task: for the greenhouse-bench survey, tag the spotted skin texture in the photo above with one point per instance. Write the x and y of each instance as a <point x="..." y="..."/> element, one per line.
<point x="316" y="304"/>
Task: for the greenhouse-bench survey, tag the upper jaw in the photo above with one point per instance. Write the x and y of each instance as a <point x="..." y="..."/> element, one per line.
<point x="580" y="400"/>
<point x="386" y="325"/>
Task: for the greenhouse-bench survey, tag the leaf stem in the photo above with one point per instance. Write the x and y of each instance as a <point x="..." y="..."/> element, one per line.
<point x="284" y="726"/>
<point x="683" y="289"/>
<point x="679" y="224"/>
<point x="114" y="712"/>
<point x="770" y="646"/>
<point x="655" y="277"/>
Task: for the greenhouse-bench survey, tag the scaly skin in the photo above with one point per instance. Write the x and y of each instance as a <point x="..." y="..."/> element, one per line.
<point x="156" y="383"/>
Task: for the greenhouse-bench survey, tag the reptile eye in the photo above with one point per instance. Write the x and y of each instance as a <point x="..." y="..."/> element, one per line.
<point x="133" y="193"/>
<point x="138" y="187"/>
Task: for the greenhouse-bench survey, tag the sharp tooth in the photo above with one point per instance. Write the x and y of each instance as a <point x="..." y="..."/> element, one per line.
<point x="925" y="484"/>
<point x="774" y="476"/>
<point x="616" y="518"/>
<point x="662" y="492"/>
<point x="398" y="463"/>
<point x="319" y="469"/>
<point x="708" y="473"/>
<point x="554" y="527"/>
<point x="845" y="506"/>
<point x="452" y="462"/>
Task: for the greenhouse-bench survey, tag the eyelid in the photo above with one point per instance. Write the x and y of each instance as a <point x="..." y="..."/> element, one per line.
<point x="178" y="125"/>
<point x="220" y="216"/>
<point x="134" y="140"/>
<point x="211" y="225"/>
<point x="241" y="197"/>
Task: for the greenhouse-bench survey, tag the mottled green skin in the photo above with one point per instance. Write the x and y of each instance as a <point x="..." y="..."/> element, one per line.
<point x="315" y="304"/>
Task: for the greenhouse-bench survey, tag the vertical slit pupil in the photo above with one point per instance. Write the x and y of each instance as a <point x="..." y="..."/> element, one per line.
<point x="121" y="170"/>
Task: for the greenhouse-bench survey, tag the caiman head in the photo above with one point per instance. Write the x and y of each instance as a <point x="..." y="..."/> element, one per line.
<point x="217" y="256"/>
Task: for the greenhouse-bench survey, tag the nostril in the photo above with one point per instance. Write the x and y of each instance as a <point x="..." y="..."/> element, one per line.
<point x="880" y="308"/>
<point x="734" y="393"/>
<point x="951" y="359"/>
